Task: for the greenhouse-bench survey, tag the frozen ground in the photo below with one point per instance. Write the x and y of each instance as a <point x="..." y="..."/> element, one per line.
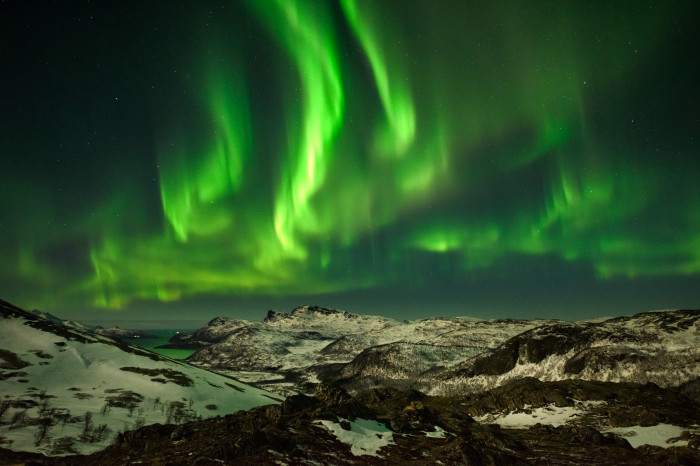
<point x="365" y="437"/>
<point x="662" y="435"/>
<point x="72" y="392"/>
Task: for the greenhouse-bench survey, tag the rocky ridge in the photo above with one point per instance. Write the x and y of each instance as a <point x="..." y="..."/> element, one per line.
<point x="653" y="347"/>
<point x="386" y="426"/>
<point x="111" y="332"/>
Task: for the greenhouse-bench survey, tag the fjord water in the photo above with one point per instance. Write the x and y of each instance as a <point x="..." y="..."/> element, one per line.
<point x="162" y="337"/>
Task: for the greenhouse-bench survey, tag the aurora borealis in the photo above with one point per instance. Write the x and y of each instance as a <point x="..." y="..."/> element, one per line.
<point x="411" y="158"/>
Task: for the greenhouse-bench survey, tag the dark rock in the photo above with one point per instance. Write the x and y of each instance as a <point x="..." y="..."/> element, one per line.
<point x="296" y="403"/>
<point x="339" y="403"/>
<point x="289" y="433"/>
<point x="691" y="390"/>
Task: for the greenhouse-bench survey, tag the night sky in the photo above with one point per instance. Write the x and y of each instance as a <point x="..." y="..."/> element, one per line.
<point x="411" y="158"/>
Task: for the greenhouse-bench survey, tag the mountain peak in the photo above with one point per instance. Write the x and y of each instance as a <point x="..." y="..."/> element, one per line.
<point x="217" y="321"/>
<point x="273" y="315"/>
<point x="318" y="311"/>
<point x="47" y="316"/>
<point x="308" y="313"/>
<point x="329" y="322"/>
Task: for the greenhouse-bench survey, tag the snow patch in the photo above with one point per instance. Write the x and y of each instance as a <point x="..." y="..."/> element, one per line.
<point x="439" y="432"/>
<point x="365" y="437"/>
<point x="550" y="414"/>
<point x="660" y="435"/>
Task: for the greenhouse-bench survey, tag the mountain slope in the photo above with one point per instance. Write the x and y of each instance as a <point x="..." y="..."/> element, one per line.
<point x="657" y="347"/>
<point x="67" y="390"/>
<point x="290" y="352"/>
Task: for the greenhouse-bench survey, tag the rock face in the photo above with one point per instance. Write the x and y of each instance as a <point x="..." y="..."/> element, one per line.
<point x="387" y="426"/>
<point x="395" y="365"/>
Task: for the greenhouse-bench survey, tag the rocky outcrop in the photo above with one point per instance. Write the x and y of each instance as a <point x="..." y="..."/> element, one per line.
<point x="423" y="430"/>
<point x="658" y="347"/>
<point x="395" y="365"/>
<point x="615" y="404"/>
<point x="308" y="312"/>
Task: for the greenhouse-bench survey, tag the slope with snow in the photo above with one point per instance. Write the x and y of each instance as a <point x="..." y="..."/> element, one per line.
<point x="365" y="437"/>
<point x="66" y="390"/>
<point x="655" y="347"/>
<point x="289" y="351"/>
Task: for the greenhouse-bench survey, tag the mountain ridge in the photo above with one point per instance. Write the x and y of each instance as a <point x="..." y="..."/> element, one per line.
<point x="307" y="346"/>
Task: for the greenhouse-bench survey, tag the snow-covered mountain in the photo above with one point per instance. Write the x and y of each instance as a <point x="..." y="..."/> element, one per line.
<point x="330" y="323"/>
<point x="275" y="353"/>
<point x="291" y="352"/>
<point x="658" y="347"/>
<point x="67" y="390"/>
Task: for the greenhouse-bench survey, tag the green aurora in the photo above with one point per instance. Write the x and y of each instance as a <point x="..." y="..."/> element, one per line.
<point x="286" y="148"/>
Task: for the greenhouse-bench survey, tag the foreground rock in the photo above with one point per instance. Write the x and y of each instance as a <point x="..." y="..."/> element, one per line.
<point x="387" y="426"/>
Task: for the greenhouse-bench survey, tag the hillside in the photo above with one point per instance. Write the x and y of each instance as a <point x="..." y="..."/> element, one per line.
<point x="292" y="352"/>
<point x="68" y="390"/>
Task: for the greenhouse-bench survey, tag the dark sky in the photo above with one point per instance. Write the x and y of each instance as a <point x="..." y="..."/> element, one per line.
<point x="171" y="160"/>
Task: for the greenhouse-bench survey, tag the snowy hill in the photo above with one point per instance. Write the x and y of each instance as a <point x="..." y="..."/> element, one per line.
<point x="291" y="352"/>
<point x="67" y="390"/>
<point x="658" y="347"/>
